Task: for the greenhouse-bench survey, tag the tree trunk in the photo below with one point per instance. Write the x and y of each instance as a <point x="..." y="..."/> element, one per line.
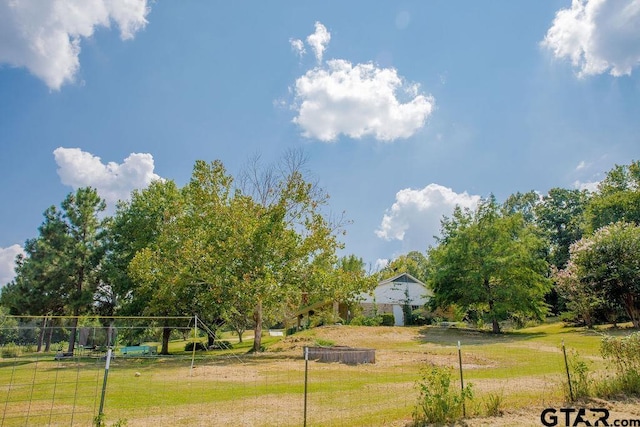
<point x="495" y="326"/>
<point x="257" y="331"/>
<point x="47" y="345"/>
<point x="41" y="335"/>
<point x="494" y="321"/>
<point x="629" y="304"/>
<point x="166" y="333"/>
<point x="72" y="336"/>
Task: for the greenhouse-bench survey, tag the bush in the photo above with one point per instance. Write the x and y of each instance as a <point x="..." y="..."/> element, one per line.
<point x="437" y="402"/>
<point x="366" y="321"/>
<point x="581" y="383"/>
<point x="10" y="350"/>
<point x="388" y="319"/>
<point x="199" y="346"/>
<point x="624" y="354"/>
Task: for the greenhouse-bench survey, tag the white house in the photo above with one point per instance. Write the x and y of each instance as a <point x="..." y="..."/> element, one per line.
<point x="393" y="293"/>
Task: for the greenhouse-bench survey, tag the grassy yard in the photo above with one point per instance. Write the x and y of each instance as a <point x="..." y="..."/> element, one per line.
<point x="524" y="368"/>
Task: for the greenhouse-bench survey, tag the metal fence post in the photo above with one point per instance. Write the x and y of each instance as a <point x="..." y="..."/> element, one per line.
<point x="306" y="371"/>
<point x="464" y="409"/>
<point x="104" y="382"/>
<point x="566" y="366"/>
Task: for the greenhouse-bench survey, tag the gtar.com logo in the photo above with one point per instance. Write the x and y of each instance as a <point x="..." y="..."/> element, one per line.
<point x="573" y="417"/>
<point x="552" y="417"/>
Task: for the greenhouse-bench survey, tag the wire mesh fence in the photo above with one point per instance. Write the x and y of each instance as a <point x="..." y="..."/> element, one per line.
<point x="281" y="387"/>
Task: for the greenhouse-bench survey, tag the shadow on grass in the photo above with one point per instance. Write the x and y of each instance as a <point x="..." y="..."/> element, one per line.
<point x="449" y="336"/>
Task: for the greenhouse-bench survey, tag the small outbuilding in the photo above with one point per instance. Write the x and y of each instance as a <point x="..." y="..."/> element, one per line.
<point x="392" y="294"/>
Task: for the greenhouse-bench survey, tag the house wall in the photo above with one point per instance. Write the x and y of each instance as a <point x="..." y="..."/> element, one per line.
<point x="390" y="298"/>
<point x="394" y="293"/>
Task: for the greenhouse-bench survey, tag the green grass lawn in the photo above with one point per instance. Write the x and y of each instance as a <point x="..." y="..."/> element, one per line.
<point x="526" y="367"/>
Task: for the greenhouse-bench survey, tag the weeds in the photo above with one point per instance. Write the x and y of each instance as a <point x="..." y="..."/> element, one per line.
<point x="437" y="402"/>
<point x="493" y="405"/>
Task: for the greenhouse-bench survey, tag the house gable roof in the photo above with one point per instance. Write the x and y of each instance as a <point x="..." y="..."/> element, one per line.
<point x="401" y="278"/>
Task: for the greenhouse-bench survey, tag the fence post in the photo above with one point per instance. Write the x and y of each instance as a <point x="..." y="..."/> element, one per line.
<point x="104" y="383"/>
<point x="306" y="371"/>
<point x="464" y="410"/>
<point x="566" y="366"/>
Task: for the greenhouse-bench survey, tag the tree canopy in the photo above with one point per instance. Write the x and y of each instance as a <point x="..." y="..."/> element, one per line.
<point x="490" y="263"/>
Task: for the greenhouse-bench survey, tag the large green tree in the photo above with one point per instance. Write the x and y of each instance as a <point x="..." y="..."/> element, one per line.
<point x="607" y="264"/>
<point x="84" y="252"/>
<point x="490" y="263"/>
<point x="182" y="270"/>
<point x="61" y="271"/>
<point x="617" y="198"/>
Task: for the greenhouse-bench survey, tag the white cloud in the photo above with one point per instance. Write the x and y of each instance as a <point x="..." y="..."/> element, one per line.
<point x="581" y="165"/>
<point x="297" y="46"/>
<point x="44" y="36"/>
<point x="8" y="262"/>
<point x="597" y="36"/>
<point x="359" y="100"/>
<point x="113" y="181"/>
<point x="319" y="41"/>
<point x="415" y="216"/>
<point x="589" y="186"/>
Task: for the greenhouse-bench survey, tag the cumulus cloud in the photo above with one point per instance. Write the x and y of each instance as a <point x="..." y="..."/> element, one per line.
<point x="8" y="262"/>
<point x="356" y="100"/>
<point x="319" y="41"/>
<point x="77" y="168"/>
<point x="44" y="36"/>
<point x="597" y="36"/>
<point x="415" y="216"/>
<point x="359" y="100"/>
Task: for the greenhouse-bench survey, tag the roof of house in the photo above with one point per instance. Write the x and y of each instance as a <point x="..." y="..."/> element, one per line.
<point x="401" y="278"/>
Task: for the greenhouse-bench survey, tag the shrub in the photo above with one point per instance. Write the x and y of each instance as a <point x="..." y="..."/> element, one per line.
<point x="437" y="402"/>
<point x="624" y="355"/>
<point x="199" y="346"/>
<point x="10" y="350"/>
<point x="581" y="382"/>
<point x="388" y="319"/>
<point x="366" y="321"/>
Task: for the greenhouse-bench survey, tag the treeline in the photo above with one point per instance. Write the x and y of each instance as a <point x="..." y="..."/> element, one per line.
<point x="234" y="251"/>
<point x="569" y="252"/>
<point x="242" y="251"/>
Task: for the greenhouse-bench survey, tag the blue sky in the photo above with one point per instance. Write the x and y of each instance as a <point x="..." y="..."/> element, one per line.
<point x="404" y="109"/>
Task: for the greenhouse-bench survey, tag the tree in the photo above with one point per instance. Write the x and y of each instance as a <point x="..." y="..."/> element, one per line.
<point x="288" y="243"/>
<point x="182" y="271"/>
<point x="414" y="263"/>
<point x="135" y="226"/>
<point x="608" y="265"/>
<point x="60" y="272"/>
<point x="523" y="203"/>
<point x="84" y="252"/>
<point x="491" y="263"/>
<point x="617" y="199"/>
<point x="560" y="217"/>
